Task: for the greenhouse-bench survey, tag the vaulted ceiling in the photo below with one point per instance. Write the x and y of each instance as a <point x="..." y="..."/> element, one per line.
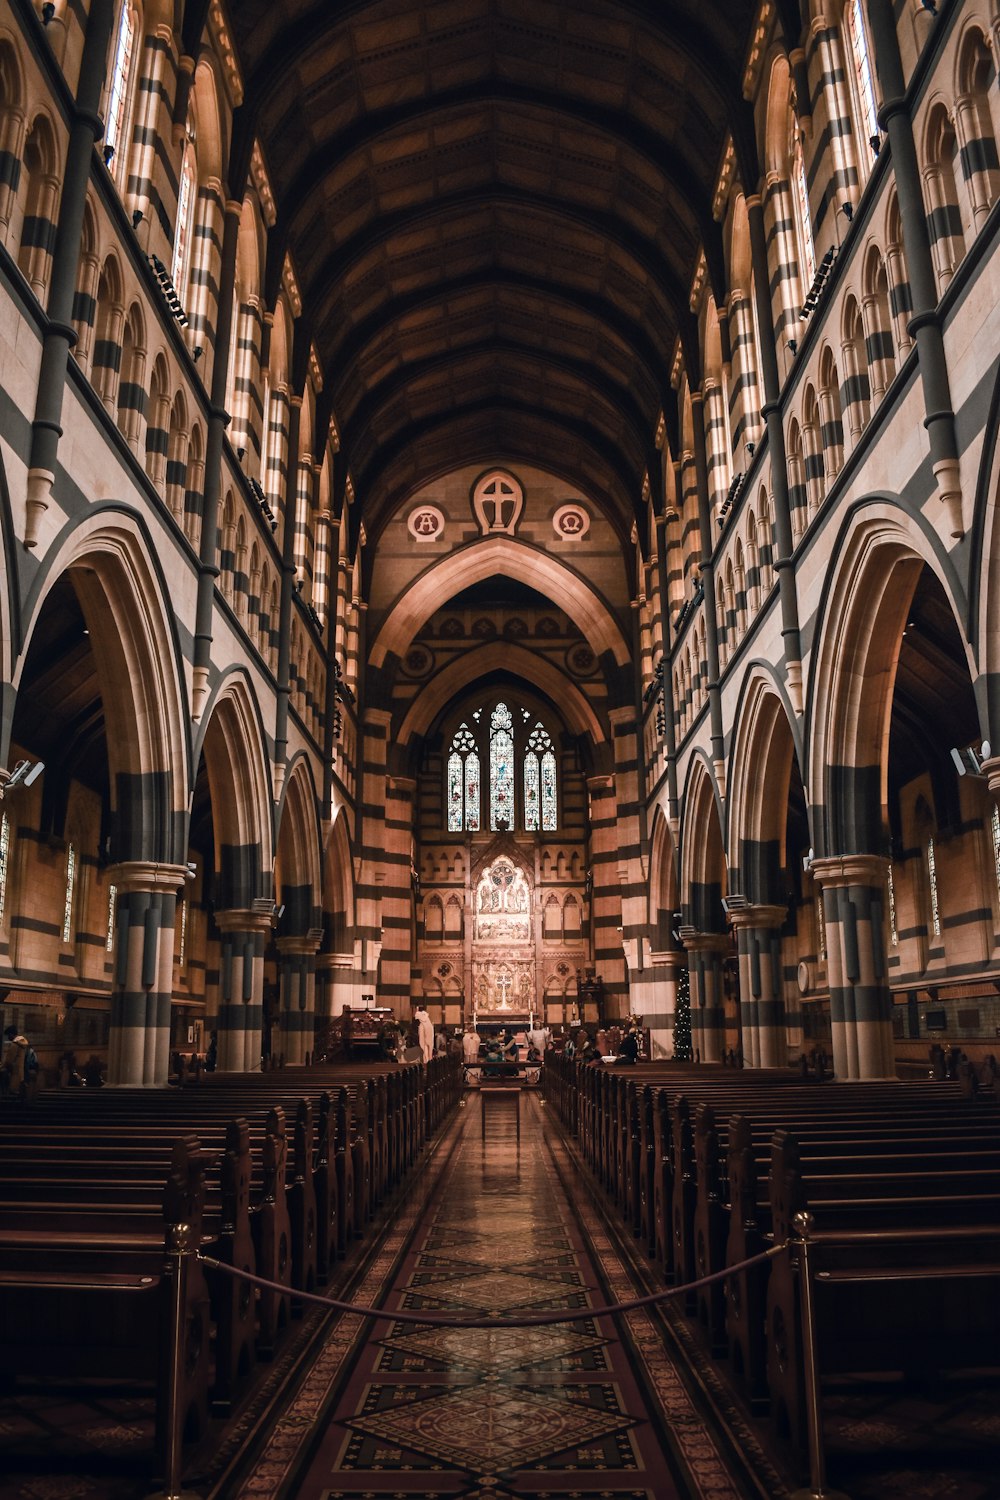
<point x="495" y="209"/>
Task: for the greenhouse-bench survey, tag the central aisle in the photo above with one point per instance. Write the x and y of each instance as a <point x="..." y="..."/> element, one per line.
<point x="563" y="1410"/>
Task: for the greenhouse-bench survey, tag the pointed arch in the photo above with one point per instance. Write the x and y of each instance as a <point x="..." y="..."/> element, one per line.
<point x="297" y="864"/>
<point x="482" y="559"/>
<point x="126" y="603"/>
<point x="239" y="777"/>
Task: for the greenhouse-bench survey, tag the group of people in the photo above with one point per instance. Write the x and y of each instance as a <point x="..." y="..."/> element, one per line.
<point x="614" y="1044"/>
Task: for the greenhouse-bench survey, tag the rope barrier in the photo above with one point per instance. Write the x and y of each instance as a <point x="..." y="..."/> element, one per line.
<point x="534" y="1320"/>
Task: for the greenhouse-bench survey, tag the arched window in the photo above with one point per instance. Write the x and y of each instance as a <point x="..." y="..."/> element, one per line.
<point x="501" y="768"/>
<point x="540" y="806"/>
<point x="463" y="783"/>
<point x="185" y="214"/>
<point x="803" y="218"/>
<point x="501" y="772"/>
<point x="116" y="124"/>
<point x="863" y="83"/>
<point x="4" y="862"/>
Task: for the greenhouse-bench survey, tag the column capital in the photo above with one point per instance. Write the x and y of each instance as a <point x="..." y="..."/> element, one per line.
<point x="849" y="869"/>
<point x="328" y="963"/>
<point x="303" y="943"/>
<point x="236" y="920"/>
<point x="671" y="959"/>
<point x="991" y="770"/>
<point x="600" y="786"/>
<point x="764" y="916"/>
<point x="147" y="875"/>
<point x="623" y="715"/>
<point x="706" y="942"/>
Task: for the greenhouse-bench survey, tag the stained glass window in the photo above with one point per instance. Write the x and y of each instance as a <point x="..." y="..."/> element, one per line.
<point x="893" y="929"/>
<point x="501" y="768"/>
<point x="4" y="861"/>
<point x="182" y="231"/>
<point x="67" y="926"/>
<point x="463" y="783"/>
<point x="540" y="809"/>
<point x="109" y="941"/>
<point x="933" y="882"/>
<point x="862" y="69"/>
<point x="114" y="125"/>
<point x="801" y="191"/>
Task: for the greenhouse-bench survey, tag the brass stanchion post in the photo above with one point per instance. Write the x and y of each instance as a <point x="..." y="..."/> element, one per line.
<point x="814" y="1414"/>
<point x="181" y="1248"/>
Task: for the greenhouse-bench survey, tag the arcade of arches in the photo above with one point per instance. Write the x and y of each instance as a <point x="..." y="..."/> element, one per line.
<point x="518" y="512"/>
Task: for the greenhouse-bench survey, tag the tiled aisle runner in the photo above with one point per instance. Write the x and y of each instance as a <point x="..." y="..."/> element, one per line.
<point x="553" y="1411"/>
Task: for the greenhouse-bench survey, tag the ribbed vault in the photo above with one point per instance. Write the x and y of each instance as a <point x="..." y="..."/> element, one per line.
<point x="495" y="210"/>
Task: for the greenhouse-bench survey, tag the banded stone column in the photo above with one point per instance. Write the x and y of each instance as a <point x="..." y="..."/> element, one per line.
<point x="708" y="1012"/>
<point x="336" y="984"/>
<point x="606" y="897"/>
<point x="297" y="974"/>
<point x="240" y="1021"/>
<point x="762" y="1004"/>
<point x="661" y="1017"/>
<point x="143" y="971"/>
<point x="853" y="887"/>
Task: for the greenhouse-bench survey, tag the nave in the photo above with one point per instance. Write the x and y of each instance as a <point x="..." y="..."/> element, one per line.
<point x="503" y="1220"/>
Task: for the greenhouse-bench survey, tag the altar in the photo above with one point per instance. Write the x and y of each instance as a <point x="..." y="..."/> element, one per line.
<point x="504" y="978"/>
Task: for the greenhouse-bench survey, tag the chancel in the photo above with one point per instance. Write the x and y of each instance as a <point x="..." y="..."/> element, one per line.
<point x="498" y="815"/>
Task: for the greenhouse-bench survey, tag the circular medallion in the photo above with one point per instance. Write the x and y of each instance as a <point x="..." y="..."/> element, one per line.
<point x="425" y="523"/>
<point x="581" y="661"/>
<point x="571" y="522"/>
<point x="418" y="661"/>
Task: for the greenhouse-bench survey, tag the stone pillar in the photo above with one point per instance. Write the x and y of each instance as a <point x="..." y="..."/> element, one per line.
<point x="771" y="412"/>
<point x="853" y="887"/>
<point x="925" y="324"/>
<point x="86" y="127"/>
<point x="706" y="951"/>
<point x="762" y="1004"/>
<point x="336" y="984"/>
<point x="142" y="981"/>
<point x="605" y="901"/>
<point x="240" y="1021"/>
<point x="660" y="1019"/>
<point x="297" y="978"/>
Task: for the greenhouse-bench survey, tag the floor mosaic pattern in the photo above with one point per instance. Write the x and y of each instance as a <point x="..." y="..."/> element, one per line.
<point x="553" y="1411"/>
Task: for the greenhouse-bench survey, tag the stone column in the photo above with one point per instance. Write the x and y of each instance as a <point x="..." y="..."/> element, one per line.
<point x="240" y="1022"/>
<point x="925" y="324"/>
<point x="606" y="897"/>
<point x="660" y="1019"/>
<point x="762" y="1004"/>
<point x="86" y="127"/>
<point x="708" y="1012"/>
<point x="336" y="984"/>
<point x="853" y="887"/>
<point x="143" y="972"/>
<point x="297" y="977"/>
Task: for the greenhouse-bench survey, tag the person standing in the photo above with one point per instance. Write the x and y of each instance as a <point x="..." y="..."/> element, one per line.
<point x="425" y="1033"/>
<point x="14" y="1063"/>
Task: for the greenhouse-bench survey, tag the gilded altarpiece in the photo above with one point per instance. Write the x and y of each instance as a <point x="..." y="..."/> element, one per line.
<point x="503" y="947"/>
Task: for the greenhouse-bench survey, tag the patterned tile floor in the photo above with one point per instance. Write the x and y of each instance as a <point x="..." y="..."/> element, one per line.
<point x="551" y="1411"/>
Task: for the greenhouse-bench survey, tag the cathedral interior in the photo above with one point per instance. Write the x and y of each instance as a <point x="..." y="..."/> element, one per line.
<point x="497" y="514"/>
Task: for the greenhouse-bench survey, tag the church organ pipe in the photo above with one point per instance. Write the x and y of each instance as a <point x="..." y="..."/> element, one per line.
<point x="86" y="129"/>
<point x="925" y="324"/>
<point x="218" y="420"/>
